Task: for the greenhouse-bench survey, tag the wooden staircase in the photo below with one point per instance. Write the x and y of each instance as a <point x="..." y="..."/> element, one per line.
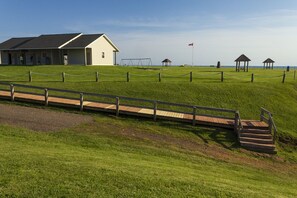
<point x="260" y="137"/>
<point x="257" y="139"/>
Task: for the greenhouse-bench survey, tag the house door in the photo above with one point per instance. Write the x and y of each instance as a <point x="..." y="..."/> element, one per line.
<point x="89" y="56"/>
<point x="65" y="59"/>
<point x="9" y="59"/>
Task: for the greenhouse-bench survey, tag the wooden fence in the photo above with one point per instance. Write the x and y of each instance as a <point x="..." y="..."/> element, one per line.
<point x="190" y="77"/>
<point x="232" y="116"/>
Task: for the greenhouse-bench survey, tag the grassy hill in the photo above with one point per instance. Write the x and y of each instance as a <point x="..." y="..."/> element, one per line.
<point x="134" y="158"/>
<point x="236" y="92"/>
<point x="127" y="157"/>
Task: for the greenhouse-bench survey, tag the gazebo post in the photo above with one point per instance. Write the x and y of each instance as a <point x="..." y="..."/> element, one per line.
<point x="247" y="67"/>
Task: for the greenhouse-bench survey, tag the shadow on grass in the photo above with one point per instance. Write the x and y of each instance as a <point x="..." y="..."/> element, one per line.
<point x="224" y="137"/>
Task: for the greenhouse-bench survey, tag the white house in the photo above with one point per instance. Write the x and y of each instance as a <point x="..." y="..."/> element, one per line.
<point x="59" y="49"/>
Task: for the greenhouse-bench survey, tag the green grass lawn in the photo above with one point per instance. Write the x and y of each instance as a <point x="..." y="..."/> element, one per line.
<point x="236" y="92"/>
<point x="127" y="158"/>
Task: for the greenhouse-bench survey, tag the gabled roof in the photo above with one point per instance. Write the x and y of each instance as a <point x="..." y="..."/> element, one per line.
<point x="82" y="41"/>
<point x="166" y="61"/>
<point x="13" y="43"/>
<point x="54" y="41"/>
<point x="242" y="58"/>
<point x="269" y="60"/>
<point x="50" y="41"/>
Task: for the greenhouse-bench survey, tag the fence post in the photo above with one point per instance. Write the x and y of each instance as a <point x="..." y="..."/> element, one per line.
<point x="12" y="92"/>
<point x="194" y="115"/>
<point x="160" y="77"/>
<point x="46" y="97"/>
<point x="155" y="110"/>
<point x="236" y="124"/>
<point x="284" y="77"/>
<point x="270" y="124"/>
<point x="81" y="102"/>
<point x="222" y="76"/>
<point x="261" y="115"/>
<point x="63" y="76"/>
<point x="128" y="77"/>
<point x="30" y="76"/>
<point x="97" y="76"/>
<point x="117" y="106"/>
<point x="191" y="76"/>
<point x="252" y="80"/>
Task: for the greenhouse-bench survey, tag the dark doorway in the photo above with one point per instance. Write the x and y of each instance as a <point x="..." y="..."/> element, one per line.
<point x="89" y="57"/>
<point x="9" y="59"/>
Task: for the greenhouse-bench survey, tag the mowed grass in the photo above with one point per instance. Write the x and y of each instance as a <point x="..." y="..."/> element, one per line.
<point x="236" y="92"/>
<point x="130" y="157"/>
<point x="120" y="158"/>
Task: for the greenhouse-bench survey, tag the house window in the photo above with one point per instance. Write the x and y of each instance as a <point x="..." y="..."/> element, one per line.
<point x="103" y="55"/>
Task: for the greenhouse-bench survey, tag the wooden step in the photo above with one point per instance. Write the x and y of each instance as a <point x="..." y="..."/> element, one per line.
<point x="257" y="140"/>
<point x="254" y="124"/>
<point x="256" y="135"/>
<point x="255" y="131"/>
<point x="263" y="148"/>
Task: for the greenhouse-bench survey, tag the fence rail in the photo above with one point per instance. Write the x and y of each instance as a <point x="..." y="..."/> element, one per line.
<point x="128" y="76"/>
<point x="155" y="106"/>
<point x="267" y="117"/>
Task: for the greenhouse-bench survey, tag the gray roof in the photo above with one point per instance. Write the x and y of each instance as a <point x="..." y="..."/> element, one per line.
<point x="269" y="60"/>
<point x="83" y="41"/>
<point x="14" y="43"/>
<point x="166" y="61"/>
<point x="242" y="58"/>
<point x="51" y="41"/>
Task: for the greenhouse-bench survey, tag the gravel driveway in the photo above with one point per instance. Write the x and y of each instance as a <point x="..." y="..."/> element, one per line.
<point x="40" y="119"/>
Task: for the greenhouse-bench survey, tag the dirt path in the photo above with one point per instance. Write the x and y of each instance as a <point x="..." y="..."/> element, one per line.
<point x="40" y="119"/>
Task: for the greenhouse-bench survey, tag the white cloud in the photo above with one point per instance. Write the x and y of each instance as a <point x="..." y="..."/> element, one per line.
<point x="212" y="45"/>
<point x="216" y="37"/>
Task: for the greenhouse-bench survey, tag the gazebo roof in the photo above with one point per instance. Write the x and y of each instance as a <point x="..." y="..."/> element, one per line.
<point x="166" y="61"/>
<point x="269" y="60"/>
<point x="242" y="58"/>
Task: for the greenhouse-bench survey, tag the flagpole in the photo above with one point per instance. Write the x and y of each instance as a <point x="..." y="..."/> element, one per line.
<point x="192" y="55"/>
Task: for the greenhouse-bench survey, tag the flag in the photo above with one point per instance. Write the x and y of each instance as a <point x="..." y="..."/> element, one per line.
<point x="191" y="44"/>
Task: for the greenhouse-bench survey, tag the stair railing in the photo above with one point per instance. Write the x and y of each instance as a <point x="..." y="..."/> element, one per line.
<point x="269" y="120"/>
<point x="237" y="126"/>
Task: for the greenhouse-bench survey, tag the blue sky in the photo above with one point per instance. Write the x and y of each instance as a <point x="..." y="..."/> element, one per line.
<point x="220" y="29"/>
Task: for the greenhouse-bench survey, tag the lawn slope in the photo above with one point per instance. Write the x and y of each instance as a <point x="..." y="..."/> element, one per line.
<point x="122" y="157"/>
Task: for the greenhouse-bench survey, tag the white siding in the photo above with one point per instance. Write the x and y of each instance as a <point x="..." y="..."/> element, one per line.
<point x="98" y="47"/>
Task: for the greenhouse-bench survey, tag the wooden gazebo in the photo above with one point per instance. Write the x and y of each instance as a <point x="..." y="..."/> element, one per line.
<point x="268" y="63"/>
<point x="166" y="62"/>
<point x="243" y="58"/>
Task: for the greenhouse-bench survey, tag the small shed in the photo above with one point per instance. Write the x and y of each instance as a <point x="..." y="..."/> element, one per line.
<point x="268" y="63"/>
<point x="243" y="58"/>
<point x="166" y="62"/>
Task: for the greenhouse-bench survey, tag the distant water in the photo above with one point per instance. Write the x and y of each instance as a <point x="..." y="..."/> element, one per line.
<point x="223" y="66"/>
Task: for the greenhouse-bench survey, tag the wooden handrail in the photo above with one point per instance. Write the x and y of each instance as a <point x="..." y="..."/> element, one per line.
<point x="155" y="103"/>
<point x="269" y="120"/>
<point x="237" y="124"/>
